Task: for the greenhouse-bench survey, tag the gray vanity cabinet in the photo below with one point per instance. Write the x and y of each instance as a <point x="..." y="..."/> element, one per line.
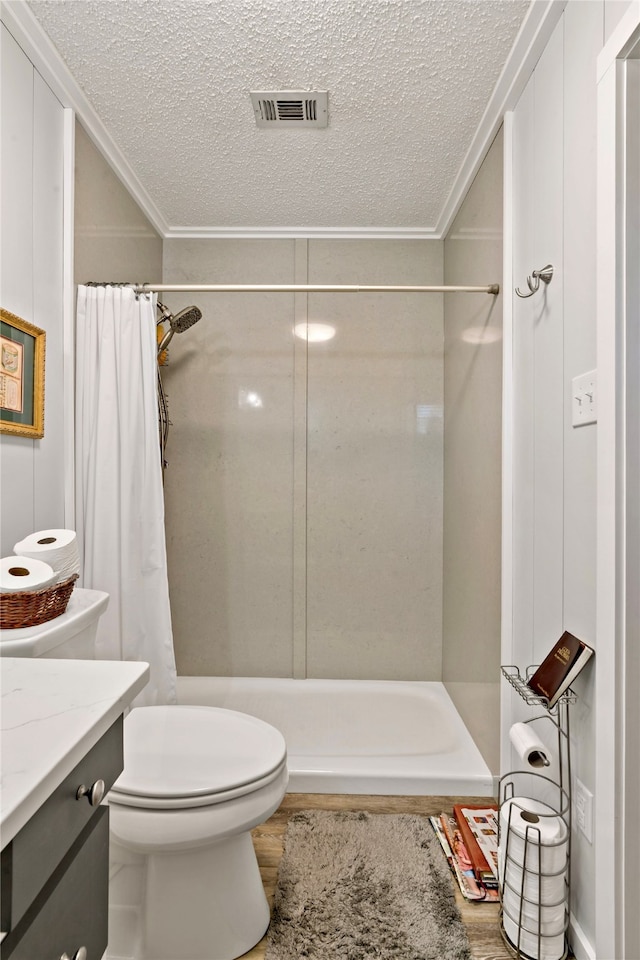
<point x="55" y="871"/>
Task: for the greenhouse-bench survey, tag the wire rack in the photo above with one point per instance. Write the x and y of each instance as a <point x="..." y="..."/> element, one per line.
<point x="521" y="685"/>
<point x="528" y="924"/>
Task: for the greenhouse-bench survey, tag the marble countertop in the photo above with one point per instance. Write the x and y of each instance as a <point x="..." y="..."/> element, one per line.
<point x="53" y="712"/>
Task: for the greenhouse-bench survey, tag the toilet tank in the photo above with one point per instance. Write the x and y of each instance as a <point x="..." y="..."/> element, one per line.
<point x="71" y="636"/>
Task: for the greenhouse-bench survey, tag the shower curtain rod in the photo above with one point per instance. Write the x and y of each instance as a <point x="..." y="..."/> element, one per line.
<point x="140" y="288"/>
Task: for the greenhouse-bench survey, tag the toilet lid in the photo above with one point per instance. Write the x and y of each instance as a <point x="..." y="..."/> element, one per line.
<point x="185" y="751"/>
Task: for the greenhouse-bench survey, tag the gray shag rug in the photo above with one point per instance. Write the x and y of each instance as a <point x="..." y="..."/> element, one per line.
<point x="358" y="886"/>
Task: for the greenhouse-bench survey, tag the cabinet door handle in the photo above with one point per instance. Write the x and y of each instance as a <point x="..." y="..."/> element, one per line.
<point x="80" y="954"/>
<point x="94" y="795"/>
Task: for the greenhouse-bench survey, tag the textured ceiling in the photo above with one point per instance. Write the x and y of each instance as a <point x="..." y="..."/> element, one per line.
<point x="408" y="82"/>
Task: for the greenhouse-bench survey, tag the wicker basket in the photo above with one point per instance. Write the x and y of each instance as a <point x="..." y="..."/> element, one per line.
<point x="27" y="608"/>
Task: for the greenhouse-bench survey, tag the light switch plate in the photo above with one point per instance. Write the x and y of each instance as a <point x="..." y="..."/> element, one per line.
<point x="584" y="399"/>
<point x="584" y="809"/>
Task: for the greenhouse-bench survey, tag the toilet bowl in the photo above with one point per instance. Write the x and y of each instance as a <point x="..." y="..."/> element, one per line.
<point x="184" y="879"/>
<point x="196" y="781"/>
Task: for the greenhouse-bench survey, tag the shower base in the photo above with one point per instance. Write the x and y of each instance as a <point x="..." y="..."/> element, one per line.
<point x="358" y="736"/>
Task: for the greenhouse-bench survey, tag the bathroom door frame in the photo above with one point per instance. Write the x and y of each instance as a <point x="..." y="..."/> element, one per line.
<point x="617" y="837"/>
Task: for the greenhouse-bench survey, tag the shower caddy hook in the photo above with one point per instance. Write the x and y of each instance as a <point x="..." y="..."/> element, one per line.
<point x="533" y="281"/>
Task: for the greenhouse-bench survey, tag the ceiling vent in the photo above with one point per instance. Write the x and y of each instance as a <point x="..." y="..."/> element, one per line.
<point x="290" y="108"/>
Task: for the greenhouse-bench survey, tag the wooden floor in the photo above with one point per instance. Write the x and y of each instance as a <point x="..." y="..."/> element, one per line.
<point x="480" y="919"/>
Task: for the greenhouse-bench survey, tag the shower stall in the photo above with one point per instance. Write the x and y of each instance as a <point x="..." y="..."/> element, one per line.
<point x="305" y="496"/>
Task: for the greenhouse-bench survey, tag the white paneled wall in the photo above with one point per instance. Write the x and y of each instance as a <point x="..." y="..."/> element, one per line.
<point x="48" y="161"/>
<point x="583" y="40"/>
<point x="553" y="166"/>
<point x="523" y="206"/>
<point x="31" y="284"/>
<point x="546" y="184"/>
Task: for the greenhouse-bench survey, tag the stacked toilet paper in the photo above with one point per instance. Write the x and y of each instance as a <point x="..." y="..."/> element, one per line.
<point x="19" y="573"/>
<point x="532" y="863"/>
<point x="58" y="548"/>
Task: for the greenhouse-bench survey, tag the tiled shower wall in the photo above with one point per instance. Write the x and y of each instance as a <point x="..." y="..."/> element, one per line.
<point x="113" y="238"/>
<point x="473" y="434"/>
<point x="304" y="486"/>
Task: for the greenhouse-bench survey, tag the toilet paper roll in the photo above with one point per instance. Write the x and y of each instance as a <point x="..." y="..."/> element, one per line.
<point x="530" y="923"/>
<point x="550" y="919"/>
<point x="549" y="948"/>
<point x="58" y="548"/>
<point x="532" y="864"/>
<point x="530" y="824"/>
<point x="547" y="891"/>
<point x="530" y="818"/>
<point x="528" y="746"/>
<point x="18" y="574"/>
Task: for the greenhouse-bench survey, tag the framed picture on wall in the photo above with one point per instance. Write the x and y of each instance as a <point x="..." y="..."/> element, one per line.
<point x="22" y="348"/>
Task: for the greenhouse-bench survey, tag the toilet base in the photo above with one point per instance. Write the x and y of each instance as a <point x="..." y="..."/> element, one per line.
<point x="206" y="904"/>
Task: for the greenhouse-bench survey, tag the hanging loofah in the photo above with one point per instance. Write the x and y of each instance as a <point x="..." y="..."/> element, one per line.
<point x="163" y="358"/>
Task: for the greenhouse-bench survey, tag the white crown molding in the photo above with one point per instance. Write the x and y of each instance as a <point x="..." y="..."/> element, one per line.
<point x="534" y="33"/>
<point x="26" y="30"/>
<point x="537" y="27"/>
<point x="302" y="233"/>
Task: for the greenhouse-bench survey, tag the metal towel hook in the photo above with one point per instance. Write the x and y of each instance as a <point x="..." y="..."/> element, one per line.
<point x="533" y="282"/>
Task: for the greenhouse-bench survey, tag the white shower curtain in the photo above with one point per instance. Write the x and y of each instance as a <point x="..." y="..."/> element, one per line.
<point x="119" y="499"/>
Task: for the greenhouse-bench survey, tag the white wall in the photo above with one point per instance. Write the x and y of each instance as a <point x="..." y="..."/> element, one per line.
<point x="631" y="827"/>
<point x="553" y="163"/>
<point x="618" y="675"/>
<point x="31" y="284"/>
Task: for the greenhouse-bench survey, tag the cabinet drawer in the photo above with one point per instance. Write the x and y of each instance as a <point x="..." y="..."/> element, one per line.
<point x="71" y="910"/>
<point x="35" y="852"/>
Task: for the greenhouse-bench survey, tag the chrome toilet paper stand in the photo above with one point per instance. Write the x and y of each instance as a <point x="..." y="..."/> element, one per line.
<point x="559" y="787"/>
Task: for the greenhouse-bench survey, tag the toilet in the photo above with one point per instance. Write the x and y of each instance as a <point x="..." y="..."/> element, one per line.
<point x="185" y="883"/>
<point x="196" y="781"/>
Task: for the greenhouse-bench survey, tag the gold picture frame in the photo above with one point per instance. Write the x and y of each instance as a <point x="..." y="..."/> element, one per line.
<point x="22" y="353"/>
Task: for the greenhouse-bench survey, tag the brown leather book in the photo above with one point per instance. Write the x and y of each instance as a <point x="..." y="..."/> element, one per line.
<point x="560" y="667"/>
<point x="483" y="872"/>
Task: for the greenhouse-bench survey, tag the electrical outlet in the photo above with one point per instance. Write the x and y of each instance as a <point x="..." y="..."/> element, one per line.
<point x="584" y="810"/>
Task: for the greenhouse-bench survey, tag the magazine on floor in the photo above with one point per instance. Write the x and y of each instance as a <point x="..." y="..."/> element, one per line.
<point x="479" y="828"/>
<point x="448" y="833"/>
